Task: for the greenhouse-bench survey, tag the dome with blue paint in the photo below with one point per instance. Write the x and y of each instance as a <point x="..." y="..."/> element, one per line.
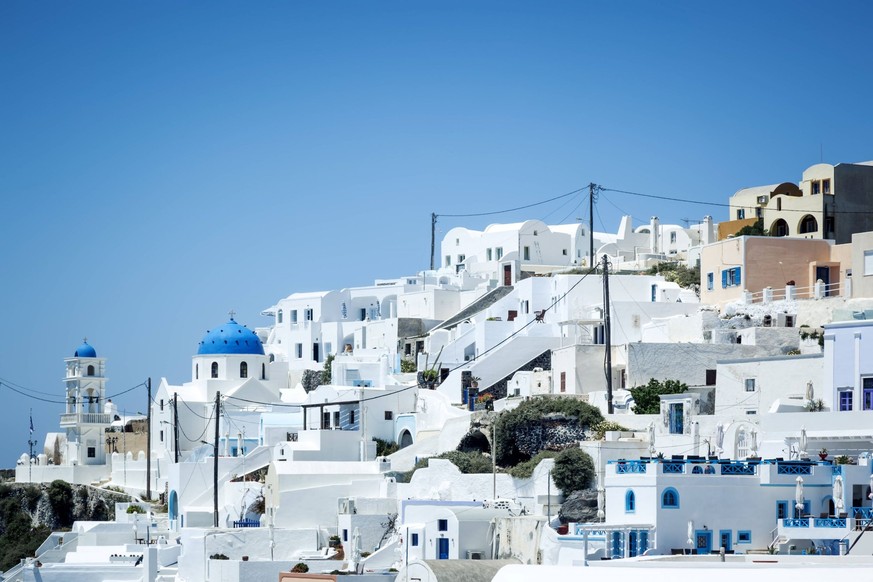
<point x="85" y="351"/>
<point x="231" y="338"/>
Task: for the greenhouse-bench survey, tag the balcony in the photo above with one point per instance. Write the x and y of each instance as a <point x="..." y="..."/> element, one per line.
<point x="74" y="418"/>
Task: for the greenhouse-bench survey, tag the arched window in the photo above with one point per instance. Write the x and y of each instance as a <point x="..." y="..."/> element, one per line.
<point x="697" y="469"/>
<point x="243" y="370"/>
<point x="742" y="450"/>
<point x="779" y="228"/>
<point x="215" y="369"/>
<point x="630" y="501"/>
<point x="670" y="498"/>
<point x="279" y="317"/>
<point x="263" y="371"/>
<point x="808" y="224"/>
<point x="90" y="370"/>
<point x="196" y="371"/>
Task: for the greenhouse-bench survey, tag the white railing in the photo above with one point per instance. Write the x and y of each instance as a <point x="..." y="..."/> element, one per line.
<point x="790" y="292"/>
<point x="85" y="418"/>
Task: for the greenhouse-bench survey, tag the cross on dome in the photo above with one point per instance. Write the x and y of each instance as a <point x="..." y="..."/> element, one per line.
<point x="232" y="313"/>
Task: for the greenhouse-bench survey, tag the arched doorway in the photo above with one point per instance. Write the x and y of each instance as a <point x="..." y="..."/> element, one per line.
<point x="405" y="439"/>
<point x="808" y="224"/>
<point x="173" y="505"/>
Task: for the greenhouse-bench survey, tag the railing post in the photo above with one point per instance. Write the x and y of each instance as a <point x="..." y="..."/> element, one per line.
<point x="790" y="292"/>
<point x="767" y="295"/>
<point x="819" y="289"/>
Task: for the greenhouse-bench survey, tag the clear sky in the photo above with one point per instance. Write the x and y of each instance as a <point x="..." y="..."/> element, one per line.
<point x="162" y="163"/>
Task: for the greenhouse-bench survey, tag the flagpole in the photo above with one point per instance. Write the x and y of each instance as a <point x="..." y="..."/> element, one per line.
<point x="30" y="442"/>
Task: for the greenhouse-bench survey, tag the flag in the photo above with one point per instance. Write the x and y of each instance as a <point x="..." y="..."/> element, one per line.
<point x="31" y="425"/>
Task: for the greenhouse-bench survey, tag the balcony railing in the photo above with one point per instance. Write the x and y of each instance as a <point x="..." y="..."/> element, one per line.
<point x="796" y="522"/>
<point x="630" y="467"/>
<point x="738" y="469"/>
<point x="85" y="418"/>
<point x="793" y="469"/>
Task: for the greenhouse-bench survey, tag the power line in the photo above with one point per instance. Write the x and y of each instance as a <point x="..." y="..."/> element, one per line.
<point x="511" y="209"/>
<point x="25" y="394"/>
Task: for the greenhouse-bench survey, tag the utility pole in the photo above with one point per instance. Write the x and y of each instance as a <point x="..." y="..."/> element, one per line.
<point x="216" y="416"/>
<point x="607" y="335"/>
<point x="30" y="442"/>
<point x="148" y="441"/>
<point x="433" y="221"/>
<point x="592" y="187"/>
<point x="176" y="427"/>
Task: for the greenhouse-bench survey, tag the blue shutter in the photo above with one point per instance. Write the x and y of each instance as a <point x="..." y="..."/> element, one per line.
<point x="737" y="275"/>
<point x="724" y="279"/>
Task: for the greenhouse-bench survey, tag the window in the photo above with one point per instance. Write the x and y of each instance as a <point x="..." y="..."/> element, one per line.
<point x="488" y="254"/>
<point x="389" y="415"/>
<point x="816" y="187"/>
<point x="563" y="381"/>
<point x="759" y="212"/>
<point x="243" y="370"/>
<point x="413" y="539"/>
<point x="162" y="436"/>
<point x="162" y="404"/>
<point x="90" y="370"/>
<point x="307" y="314"/>
<point x="336" y="418"/>
<point x="741" y="213"/>
<point x="845" y="399"/>
<point x="279" y="317"/>
<point x="443" y="525"/>
<point x="750" y="384"/>
<point x="345" y="535"/>
<point x="263" y="371"/>
<point x="351" y="417"/>
<point x="564" y="252"/>
<point x="325" y="420"/>
<point x="731" y="277"/>
<point x="673" y="236"/>
<point x="526" y="253"/>
<point x="867" y="393"/>
<point x="448" y="261"/>
<point x="196" y="371"/>
<point x="709" y="281"/>
<point x="92" y="452"/>
<point x="670" y="498"/>
<point x="868" y="262"/>
<point x="826" y="186"/>
<point x="630" y="501"/>
<point x="808" y="224"/>
<point x="829" y="224"/>
<point x="499" y="252"/>
<point x="744" y="537"/>
<point x="462" y="258"/>
<point x="293" y="316"/>
<point x="214" y="369"/>
<point x="298" y="351"/>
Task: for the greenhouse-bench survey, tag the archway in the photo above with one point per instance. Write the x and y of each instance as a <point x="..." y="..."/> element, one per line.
<point x="405" y="439"/>
<point x="807" y="224"/>
<point x="173" y="505"/>
<point x="779" y="228"/>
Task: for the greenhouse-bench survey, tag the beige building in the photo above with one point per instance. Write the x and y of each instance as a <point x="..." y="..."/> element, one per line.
<point x="831" y="202"/>
<point x="734" y="266"/>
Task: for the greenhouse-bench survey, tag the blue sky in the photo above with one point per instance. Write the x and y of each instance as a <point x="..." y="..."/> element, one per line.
<point x="164" y="162"/>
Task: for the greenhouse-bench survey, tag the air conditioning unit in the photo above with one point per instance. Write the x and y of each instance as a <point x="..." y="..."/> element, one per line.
<point x="475" y="555"/>
<point x="763" y="199"/>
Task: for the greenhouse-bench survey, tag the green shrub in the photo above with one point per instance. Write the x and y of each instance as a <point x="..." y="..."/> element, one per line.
<point x="647" y="398"/>
<point x="525" y="469"/>
<point x="385" y="448"/>
<point x="573" y="471"/>
<point x="466" y="462"/>
<point x="407" y="366"/>
<point x="300" y="568"/>
<point x="60" y="496"/>
<point x="604" y="426"/>
<point x="135" y="509"/>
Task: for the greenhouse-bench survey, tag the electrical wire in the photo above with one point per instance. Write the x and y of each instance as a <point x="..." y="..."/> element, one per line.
<point x="491" y="213"/>
<point x="31" y="396"/>
<point x="9" y="382"/>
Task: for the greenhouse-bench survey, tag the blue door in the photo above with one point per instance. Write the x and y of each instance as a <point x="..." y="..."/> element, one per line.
<point x="443" y="549"/>
<point x="824" y="273"/>
<point x="703" y="541"/>
<point x="677" y="419"/>
<point x="632" y="544"/>
<point x="724" y="539"/>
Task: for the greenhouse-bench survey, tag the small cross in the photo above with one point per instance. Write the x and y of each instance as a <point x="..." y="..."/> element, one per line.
<point x="84" y="340"/>
<point x="232" y="313"/>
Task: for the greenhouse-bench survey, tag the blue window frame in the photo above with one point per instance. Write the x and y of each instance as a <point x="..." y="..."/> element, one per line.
<point x="710" y="281"/>
<point x="846" y="400"/>
<point x="443" y="525"/>
<point x="670" y="499"/>
<point x="731" y="277"/>
<point x="630" y="501"/>
<point x="744" y="536"/>
<point x="725" y="539"/>
<point x="345" y="535"/>
<point x="867" y="393"/>
<point x="414" y="539"/>
<point x="782" y="510"/>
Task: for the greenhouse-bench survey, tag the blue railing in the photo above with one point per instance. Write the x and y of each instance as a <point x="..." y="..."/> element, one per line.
<point x="862" y="512"/>
<point x="247" y="523"/>
<point x="737" y="469"/>
<point x="796" y="522"/>
<point x="792" y="469"/>
<point x="630" y="467"/>
<point x="837" y="470"/>
<point x="830" y="522"/>
<point x="671" y="467"/>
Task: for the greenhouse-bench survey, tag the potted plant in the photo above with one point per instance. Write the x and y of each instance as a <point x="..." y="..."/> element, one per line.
<point x="486" y="399"/>
<point x="823" y="454"/>
<point x="429" y="377"/>
<point x="474" y="381"/>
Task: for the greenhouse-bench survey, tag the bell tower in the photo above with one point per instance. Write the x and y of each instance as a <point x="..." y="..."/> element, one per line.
<point x="85" y="419"/>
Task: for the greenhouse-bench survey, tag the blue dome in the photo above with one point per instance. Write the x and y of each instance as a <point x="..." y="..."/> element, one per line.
<point x="231" y="338"/>
<point x="85" y="351"/>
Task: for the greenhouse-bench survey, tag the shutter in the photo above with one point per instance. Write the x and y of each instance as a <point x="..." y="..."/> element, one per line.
<point x="724" y="279"/>
<point x="737" y="275"/>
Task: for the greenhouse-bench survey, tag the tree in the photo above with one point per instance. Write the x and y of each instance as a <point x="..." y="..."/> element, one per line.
<point x="327" y="373"/>
<point x="573" y="471"/>
<point x="647" y="398"/>
<point x="60" y="496"/>
<point x="756" y="229"/>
